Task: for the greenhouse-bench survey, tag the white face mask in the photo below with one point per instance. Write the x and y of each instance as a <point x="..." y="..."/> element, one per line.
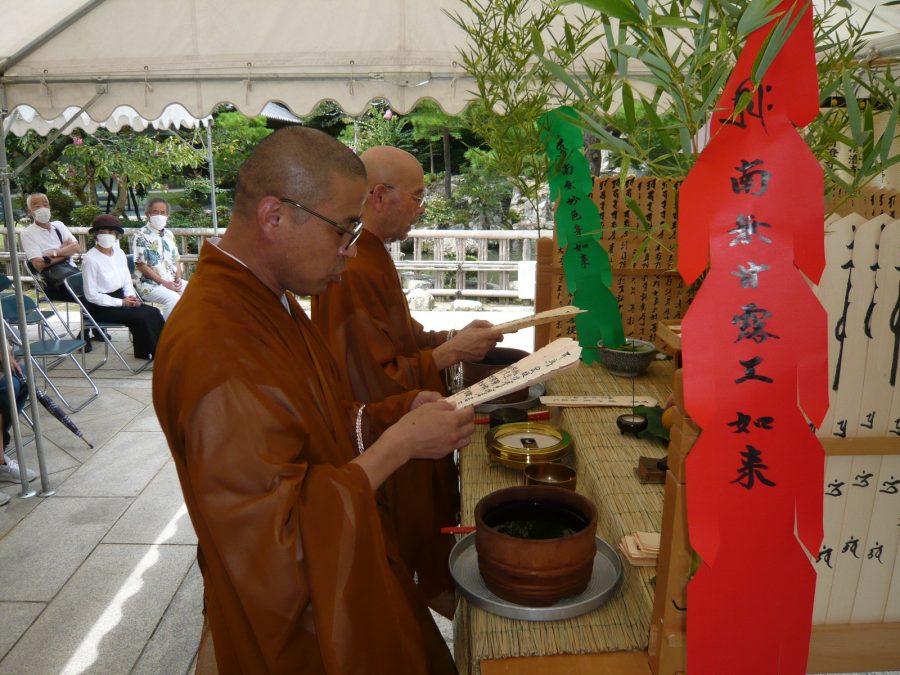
<point x="42" y="215"/>
<point x="158" y="222"/>
<point x="106" y="240"/>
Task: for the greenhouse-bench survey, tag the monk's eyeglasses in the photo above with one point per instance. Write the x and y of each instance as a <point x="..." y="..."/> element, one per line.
<point x="353" y="234"/>
<point x="419" y="199"/>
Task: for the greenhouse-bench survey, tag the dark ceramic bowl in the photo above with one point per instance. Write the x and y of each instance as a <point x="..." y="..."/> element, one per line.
<point x="535" y="572"/>
<point x="496" y="359"/>
<point x="506" y="416"/>
<point x="630" y="361"/>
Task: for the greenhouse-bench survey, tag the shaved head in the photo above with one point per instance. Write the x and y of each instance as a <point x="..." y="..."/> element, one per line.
<point x="396" y="192"/>
<point x="294" y="162"/>
<point x="385" y="164"/>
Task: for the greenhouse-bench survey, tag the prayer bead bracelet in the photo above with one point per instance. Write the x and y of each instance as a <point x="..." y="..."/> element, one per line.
<point x="360" y="448"/>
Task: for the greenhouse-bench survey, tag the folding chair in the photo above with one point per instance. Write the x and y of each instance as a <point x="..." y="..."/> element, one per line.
<point x="33" y="314"/>
<point x="75" y="286"/>
<point x="58" y="349"/>
<point x="40" y="295"/>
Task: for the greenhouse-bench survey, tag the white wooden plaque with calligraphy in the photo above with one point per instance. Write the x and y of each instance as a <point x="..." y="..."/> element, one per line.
<point x="831" y="292"/>
<point x="871" y="599"/>
<point x="547" y="362"/>
<point x="539" y="319"/>
<point x="878" y="392"/>
<point x="837" y="480"/>
<point x="849" y="549"/>
<point x="857" y="297"/>
<point x="597" y="401"/>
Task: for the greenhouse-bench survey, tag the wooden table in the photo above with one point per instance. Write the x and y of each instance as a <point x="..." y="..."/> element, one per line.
<point x="605" y="461"/>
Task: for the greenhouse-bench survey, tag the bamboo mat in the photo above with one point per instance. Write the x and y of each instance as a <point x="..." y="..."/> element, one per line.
<point x="605" y="461"/>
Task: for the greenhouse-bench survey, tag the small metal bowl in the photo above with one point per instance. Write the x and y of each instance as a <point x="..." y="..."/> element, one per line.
<point x="550" y="474"/>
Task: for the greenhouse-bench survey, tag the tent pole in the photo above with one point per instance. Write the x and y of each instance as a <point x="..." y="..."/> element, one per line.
<point x="212" y="177"/>
<point x="46" y="490"/>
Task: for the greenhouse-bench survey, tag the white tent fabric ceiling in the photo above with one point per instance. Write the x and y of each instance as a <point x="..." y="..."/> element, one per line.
<point x="199" y="53"/>
<point x="175" y="116"/>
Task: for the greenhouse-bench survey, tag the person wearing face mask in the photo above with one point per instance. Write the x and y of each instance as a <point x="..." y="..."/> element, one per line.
<point x="158" y="274"/>
<point x="49" y="244"/>
<point x="108" y="292"/>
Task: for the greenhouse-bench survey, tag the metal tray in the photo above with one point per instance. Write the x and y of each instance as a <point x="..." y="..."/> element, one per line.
<point x="535" y="392"/>
<point x="605" y="581"/>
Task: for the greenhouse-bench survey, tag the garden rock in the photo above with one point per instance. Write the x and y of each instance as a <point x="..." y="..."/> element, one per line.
<point x="420" y="299"/>
<point x="466" y="306"/>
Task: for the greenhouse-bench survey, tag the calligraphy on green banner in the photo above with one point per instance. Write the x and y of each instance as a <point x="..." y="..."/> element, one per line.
<point x="578" y="230"/>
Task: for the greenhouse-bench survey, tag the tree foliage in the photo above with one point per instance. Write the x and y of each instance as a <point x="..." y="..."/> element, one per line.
<point x="431" y="124"/>
<point x="379" y="125"/>
<point x="669" y="61"/>
<point x="83" y="163"/>
<point x="234" y="137"/>
<point x="512" y="87"/>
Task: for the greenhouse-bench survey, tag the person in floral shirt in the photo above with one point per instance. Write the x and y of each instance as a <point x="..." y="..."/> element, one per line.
<point x="158" y="274"/>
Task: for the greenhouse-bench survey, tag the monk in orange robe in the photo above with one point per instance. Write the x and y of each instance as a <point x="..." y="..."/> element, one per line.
<point x="278" y="465"/>
<point x="367" y="324"/>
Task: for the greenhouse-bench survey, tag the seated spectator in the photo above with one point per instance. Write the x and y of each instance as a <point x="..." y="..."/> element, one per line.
<point x="49" y="244"/>
<point x="9" y="468"/>
<point x="158" y="273"/>
<point x="108" y="292"/>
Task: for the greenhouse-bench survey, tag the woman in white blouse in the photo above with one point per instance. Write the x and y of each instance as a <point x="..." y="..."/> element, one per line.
<point x="108" y="292"/>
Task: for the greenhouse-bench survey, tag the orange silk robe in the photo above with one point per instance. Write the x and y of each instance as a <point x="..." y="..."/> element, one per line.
<point x="298" y="574"/>
<point x="366" y="321"/>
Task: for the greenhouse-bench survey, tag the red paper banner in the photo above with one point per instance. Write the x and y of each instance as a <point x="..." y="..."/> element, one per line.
<point x="755" y="368"/>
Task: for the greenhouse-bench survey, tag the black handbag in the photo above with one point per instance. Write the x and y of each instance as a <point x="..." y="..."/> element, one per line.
<point x="54" y="275"/>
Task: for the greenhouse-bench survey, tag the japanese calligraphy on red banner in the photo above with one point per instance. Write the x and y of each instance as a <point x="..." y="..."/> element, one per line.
<point x="755" y="367"/>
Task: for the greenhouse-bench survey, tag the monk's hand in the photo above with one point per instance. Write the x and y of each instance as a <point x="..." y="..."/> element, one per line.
<point x="434" y="430"/>
<point x="475" y="340"/>
<point x="425" y="397"/>
<point x="431" y="431"/>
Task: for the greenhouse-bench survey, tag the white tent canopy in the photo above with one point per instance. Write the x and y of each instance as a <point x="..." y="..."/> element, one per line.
<point x="199" y="53"/>
<point x="175" y="116"/>
<point x="56" y="53"/>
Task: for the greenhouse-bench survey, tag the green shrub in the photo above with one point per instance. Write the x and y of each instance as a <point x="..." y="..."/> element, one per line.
<point x="61" y="205"/>
<point x="82" y="216"/>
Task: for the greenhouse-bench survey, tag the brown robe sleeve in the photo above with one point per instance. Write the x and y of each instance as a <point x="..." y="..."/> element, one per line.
<point x="298" y="576"/>
<point x="368" y="328"/>
<point x="366" y="321"/>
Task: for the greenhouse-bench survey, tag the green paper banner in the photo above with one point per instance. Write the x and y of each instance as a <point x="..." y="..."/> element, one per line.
<point x="578" y="229"/>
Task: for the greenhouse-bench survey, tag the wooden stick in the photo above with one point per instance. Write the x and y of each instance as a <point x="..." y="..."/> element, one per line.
<point x="540" y="318"/>
<point x="597" y="401"/>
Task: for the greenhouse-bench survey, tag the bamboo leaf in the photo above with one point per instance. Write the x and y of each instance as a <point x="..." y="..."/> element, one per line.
<point x="773" y="44"/>
<point x="636" y="210"/>
<point x="757" y="15"/>
<point x="560" y="73"/>
<point x="570" y="39"/>
<point x="628" y="104"/>
<point x="674" y="22"/>
<point x="887" y="137"/>
<point x="869" y="127"/>
<point x="853" y="116"/>
<point x="615" y="8"/>
<point x="537" y="43"/>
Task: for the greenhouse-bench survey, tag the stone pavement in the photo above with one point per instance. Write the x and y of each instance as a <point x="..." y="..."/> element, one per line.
<point x="102" y="576"/>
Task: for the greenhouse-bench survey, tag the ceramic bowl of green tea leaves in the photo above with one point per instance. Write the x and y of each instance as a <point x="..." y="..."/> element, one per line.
<point x="628" y="360"/>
